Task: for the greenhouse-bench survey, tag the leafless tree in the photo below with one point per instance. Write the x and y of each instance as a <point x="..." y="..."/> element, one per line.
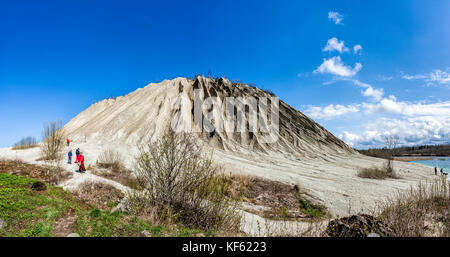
<point x="391" y="142"/>
<point x="53" y="141"/>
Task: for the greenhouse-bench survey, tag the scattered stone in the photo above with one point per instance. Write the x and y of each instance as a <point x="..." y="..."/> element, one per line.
<point x="39" y="186"/>
<point x="123" y="206"/>
<point x="73" y="235"/>
<point x="145" y="233"/>
<point x="14" y="172"/>
<point x="361" y="225"/>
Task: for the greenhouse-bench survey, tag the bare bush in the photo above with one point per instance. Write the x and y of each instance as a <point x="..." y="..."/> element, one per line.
<point x="421" y="211"/>
<point x="99" y="194"/>
<point x="25" y="143"/>
<point x="53" y="141"/>
<point x="182" y="185"/>
<point x="111" y="159"/>
<point x="377" y="173"/>
<point x="391" y="143"/>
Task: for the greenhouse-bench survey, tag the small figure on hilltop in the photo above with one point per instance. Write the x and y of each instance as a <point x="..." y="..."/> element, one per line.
<point x="77" y="152"/>
<point x="81" y="169"/>
<point x="435" y="171"/>
<point x="70" y="157"/>
<point x="68" y="142"/>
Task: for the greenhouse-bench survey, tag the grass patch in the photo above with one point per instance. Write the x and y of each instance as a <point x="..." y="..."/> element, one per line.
<point x="49" y="174"/>
<point x="421" y="211"/>
<point x="282" y="200"/>
<point x="376" y="173"/>
<point x="56" y="212"/>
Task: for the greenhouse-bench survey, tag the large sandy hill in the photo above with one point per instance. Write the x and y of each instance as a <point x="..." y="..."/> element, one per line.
<point x="305" y="153"/>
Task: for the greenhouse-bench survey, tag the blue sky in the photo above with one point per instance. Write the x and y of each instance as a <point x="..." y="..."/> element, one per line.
<point x="362" y="69"/>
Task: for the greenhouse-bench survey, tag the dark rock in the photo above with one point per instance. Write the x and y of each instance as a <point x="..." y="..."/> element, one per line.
<point x="361" y="225"/>
<point x="39" y="186"/>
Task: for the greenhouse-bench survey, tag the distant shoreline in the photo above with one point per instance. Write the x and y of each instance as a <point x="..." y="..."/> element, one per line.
<point x="409" y="158"/>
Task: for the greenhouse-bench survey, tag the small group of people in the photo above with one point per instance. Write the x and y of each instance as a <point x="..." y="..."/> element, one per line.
<point x="79" y="160"/>
<point x="441" y="171"/>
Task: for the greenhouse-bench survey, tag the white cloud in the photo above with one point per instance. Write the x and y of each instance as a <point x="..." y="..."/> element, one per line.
<point x="357" y="48"/>
<point x="414" y="122"/>
<point x="439" y="76"/>
<point x="411" y="77"/>
<point x="330" y="111"/>
<point x="436" y="76"/>
<point x="411" y="131"/>
<point x="333" y="44"/>
<point x="335" y="17"/>
<point x="385" y="78"/>
<point x="391" y="105"/>
<point x="302" y="74"/>
<point x="376" y="94"/>
<point x="335" y="66"/>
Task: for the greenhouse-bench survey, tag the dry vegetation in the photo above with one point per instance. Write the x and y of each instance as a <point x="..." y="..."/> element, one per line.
<point x="100" y="194"/>
<point x="53" y="141"/>
<point x="50" y="174"/>
<point x="283" y="201"/>
<point x="110" y="159"/>
<point x="178" y="184"/>
<point x="422" y="211"/>
<point x="376" y="173"/>
<point x="110" y="166"/>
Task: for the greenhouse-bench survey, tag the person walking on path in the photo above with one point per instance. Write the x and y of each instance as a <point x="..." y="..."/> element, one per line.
<point x="77" y="152"/>
<point x="70" y="157"/>
<point x="82" y="169"/>
<point x="435" y="171"/>
<point x="442" y="171"/>
<point x="68" y="142"/>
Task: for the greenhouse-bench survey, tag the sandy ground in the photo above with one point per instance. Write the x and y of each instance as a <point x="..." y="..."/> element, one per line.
<point x="331" y="181"/>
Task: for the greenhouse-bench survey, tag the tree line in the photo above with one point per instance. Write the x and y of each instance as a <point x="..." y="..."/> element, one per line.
<point x="421" y="150"/>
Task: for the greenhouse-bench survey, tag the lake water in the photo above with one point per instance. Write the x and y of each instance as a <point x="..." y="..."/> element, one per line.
<point x="439" y="162"/>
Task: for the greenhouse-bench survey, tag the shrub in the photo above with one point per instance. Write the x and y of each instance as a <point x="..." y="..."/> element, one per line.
<point x="421" y="211"/>
<point x="25" y="143"/>
<point x="180" y="184"/>
<point x="53" y="141"/>
<point x="97" y="193"/>
<point x="376" y="173"/>
<point x="111" y="159"/>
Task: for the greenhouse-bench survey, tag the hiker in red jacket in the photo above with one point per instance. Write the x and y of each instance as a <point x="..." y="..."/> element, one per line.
<point x="81" y="163"/>
<point x="68" y="142"/>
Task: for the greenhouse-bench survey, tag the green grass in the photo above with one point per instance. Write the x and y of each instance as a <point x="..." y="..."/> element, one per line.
<point x="312" y="210"/>
<point x="29" y="213"/>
